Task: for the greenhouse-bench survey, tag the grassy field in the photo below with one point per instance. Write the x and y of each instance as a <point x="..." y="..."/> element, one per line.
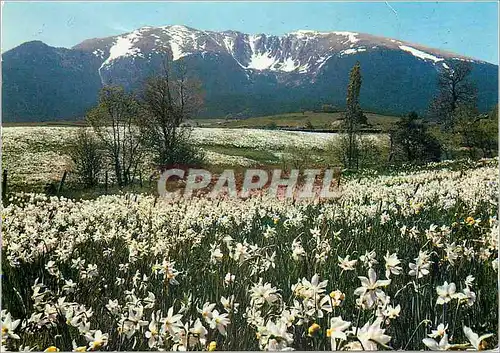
<point x="296" y="120"/>
<point x="319" y="120"/>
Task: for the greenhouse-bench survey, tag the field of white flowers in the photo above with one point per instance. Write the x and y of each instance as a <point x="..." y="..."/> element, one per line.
<point x="404" y="262"/>
<point x="38" y="154"/>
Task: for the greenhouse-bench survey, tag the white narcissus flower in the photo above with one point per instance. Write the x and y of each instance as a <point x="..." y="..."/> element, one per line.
<point x="440" y="332"/>
<point x="336" y="330"/>
<point x="149" y="301"/>
<point x="452" y="252"/>
<point x="346" y="264"/>
<point x="391" y="264"/>
<point x="475" y="340"/>
<point x="337" y="297"/>
<point x="369" y="258"/>
<point x="288" y="317"/>
<point x="298" y="250"/>
<point x="370" y="288"/>
<point x="468" y="280"/>
<point x="229" y="278"/>
<point x="97" y="340"/>
<point x="446" y="293"/>
<point x="274" y="336"/>
<point x="421" y="266"/>
<point x="69" y="286"/>
<point x="8" y="327"/>
<point x="442" y="345"/>
<point x="263" y="293"/>
<point x="153" y="336"/>
<point x="216" y="254"/>
<point x="199" y="331"/>
<point x="172" y="323"/>
<point x="229" y="304"/>
<point x="314" y="287"/>
<point x="206" y="311"/>
<point x="391" y="312"/>
<point x="370" y="335"/>
<point x="219" y="321"/>
<point x="467" y="296"/>
<point x="113" y="306"/>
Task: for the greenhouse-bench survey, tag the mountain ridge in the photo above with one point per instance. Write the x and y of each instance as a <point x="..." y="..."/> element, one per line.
<point x="243" y="74"/>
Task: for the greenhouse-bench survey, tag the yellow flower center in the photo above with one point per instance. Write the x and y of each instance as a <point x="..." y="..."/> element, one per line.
<point x="313" y="329"/>
<point x="212" y="346"/>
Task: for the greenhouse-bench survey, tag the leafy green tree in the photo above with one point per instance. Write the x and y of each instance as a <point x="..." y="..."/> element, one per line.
<point x="272" y="125"/>
<point x="479" y="134"/>
<point x="354" y="117"/>
<point x="411" y="141"/>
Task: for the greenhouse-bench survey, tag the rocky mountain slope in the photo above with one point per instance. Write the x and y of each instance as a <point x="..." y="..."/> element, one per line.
<point x="241" y="74"/>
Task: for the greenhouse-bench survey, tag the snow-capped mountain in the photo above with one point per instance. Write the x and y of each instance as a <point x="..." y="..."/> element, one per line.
<point x="242" y="73"/>
<point x="301" y="51"/>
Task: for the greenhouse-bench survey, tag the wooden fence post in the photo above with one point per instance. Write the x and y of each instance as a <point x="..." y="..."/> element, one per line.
<point x="4" y="184"/>
<point x="61" y="183"/>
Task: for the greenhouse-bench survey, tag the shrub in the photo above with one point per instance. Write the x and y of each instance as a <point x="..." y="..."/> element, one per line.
<point x="87" y="157"/>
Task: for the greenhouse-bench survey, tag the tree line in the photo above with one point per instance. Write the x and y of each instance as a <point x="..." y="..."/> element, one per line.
<point x="453" y="127"/>
<point x="127" y="128"/>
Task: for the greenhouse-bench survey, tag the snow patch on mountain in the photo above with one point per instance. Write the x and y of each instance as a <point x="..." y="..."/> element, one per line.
<point x="420" y="54"/>
<point x="181" y="38"/>
<point x="99" y="53"/>
<point x="261" y="61"/>
<point x="321" y="61"/>
<point x="288" y="65"/>
<point x="352" y="51"/>
<point x="351" y="36"/>
<point x="303" y="33"/>
<point x="229" y="44"/>
<point x="123" y="47"/>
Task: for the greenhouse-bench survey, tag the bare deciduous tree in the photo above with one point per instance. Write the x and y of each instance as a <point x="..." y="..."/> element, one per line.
<point x="115" y="120"/>
<point x="455" y="91"/>
<point x="169" y="100"/>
